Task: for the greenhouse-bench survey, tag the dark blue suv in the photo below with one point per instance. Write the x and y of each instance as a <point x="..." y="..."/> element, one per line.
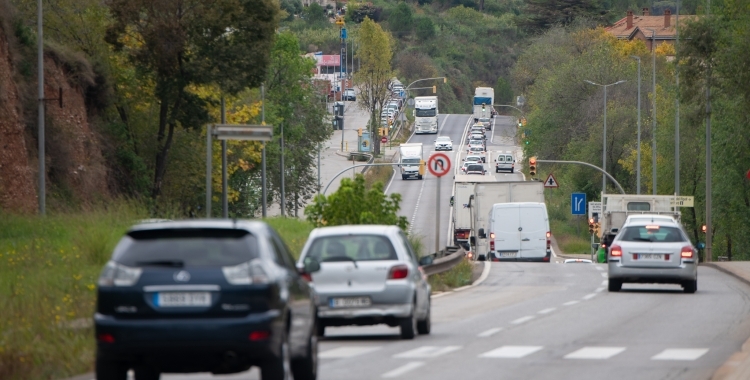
<point x="216" y="296"/>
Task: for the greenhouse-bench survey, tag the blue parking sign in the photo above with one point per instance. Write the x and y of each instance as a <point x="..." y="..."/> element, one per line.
<point x="578" y="204"/>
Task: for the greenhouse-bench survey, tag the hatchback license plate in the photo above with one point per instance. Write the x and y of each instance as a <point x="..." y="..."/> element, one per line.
<point x="651" y="256"/>
<point x="350" y="302"/>
<point x="181" y="299"/>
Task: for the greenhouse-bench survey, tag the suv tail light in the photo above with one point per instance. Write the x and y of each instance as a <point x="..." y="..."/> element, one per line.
<point x="116" y="274"/>
<point x="615" y="250"/>
<point x="398" y="272"/>
<point x="686" y="252"/>
<point x="251" y="272"/>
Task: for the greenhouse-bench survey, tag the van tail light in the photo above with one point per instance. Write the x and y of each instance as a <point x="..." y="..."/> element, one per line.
<point x="686" y="252"/>
<point x="549" y="242"/>
<point x="398" y="272"/>
<point x="492" y="245"/>
<point x="616" y="251"/>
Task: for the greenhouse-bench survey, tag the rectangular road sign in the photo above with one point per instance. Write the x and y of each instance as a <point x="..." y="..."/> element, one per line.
<point x="578" y="203"/>
<point x="682" y="201"/>
<point x="595" y="208"/>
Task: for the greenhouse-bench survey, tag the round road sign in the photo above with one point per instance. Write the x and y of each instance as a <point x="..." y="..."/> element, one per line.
<point x="439" y="164"/>
<point x="384" y="139"/>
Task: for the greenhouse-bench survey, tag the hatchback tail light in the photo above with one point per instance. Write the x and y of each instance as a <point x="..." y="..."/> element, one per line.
<point x="686" y="252"/>
<point x="116" y="274"/>
<point x="106" y="338"/>
<point x="616" y="250"/>
<point x="398" y="272"/>
<point x="251" y="272"/>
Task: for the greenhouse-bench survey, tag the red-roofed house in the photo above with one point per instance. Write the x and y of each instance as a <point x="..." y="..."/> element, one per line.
<point x="639" y="27"/>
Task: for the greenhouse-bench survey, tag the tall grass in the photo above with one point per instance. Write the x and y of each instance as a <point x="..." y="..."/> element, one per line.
<point x="293" y="231"/>
<point x="456" y="277"/>
<point x="568" y="237"/>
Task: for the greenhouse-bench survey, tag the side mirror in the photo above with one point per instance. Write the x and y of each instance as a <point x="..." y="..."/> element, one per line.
<point x="482" y="235"/>
<point x="481" y="257"/>
<point x="426" y="260"/>
<point x="311" y="265"/>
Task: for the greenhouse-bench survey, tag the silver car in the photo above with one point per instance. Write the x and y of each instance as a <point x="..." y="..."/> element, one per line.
<point x="652" y="250"/>
<point x="369" y="274"/>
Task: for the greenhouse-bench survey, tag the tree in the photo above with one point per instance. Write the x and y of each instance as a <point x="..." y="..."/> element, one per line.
<point x="352" y="203"/>
<point x="400" y="21"/>
<point x="182" y="43"/>
<point x="503" y="92"/>
<point x="315" y="16"/>
<point x="425" y="28"/>
<point x="375" y="71"/>
<point x="544" y="14"/>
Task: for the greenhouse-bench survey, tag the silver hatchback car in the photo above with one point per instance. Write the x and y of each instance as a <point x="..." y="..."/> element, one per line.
<point x="369" y="274"/>
<point x="653" y="249"/>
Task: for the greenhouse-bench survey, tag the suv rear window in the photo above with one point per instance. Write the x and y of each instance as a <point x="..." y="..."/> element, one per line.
<point x="347" y="247"/>
<point x="654" y="234"/>
<point x="188" y="247"/>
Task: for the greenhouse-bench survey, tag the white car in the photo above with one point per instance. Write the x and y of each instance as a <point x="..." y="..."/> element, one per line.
<point x="443" y="143"/>
<point x="477" y="150"/>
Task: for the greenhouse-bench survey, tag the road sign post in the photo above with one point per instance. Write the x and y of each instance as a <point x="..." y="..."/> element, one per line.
<point x="578" y="203"/>
<point x="439" y="165"/>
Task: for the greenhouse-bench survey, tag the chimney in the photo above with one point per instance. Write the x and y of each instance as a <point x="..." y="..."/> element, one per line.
<point x="645" y="11"/>
<point x="667" y="17"/>
<point x="629" y="20"/>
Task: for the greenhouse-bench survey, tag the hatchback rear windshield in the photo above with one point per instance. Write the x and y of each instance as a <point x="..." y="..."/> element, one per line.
<point x="654" y="234"/>
<point x="189" y="247"/>
<point x="357" y="247"/>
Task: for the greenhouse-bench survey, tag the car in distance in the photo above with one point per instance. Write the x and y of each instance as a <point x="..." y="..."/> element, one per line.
<point x="475" y="169"/>
<point x="477" y="150"/>
<point x="505" y="161"/>
<point x="204" y="296"/>
<point x="369" y="274"/>
<point x="486" y="122"/>
<point x="443" y="143"/>
<point x="349" y="94"/>
<point x="655" y="250"/>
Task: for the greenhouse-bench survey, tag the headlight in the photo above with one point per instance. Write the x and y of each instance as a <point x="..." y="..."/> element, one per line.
<point x="115" y="274"/>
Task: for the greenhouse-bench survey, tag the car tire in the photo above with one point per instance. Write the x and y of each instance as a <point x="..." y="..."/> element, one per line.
<point x="424" y="326"/>
<point x="690" y="286"/>
<point x="146" y="373"/>
<point x="277" y="368"/>
<point x="110" y="369"/>
<point x="306" y="368"/>
<point x="320" y="329"/>
<point x="408" y="325"/>
<point x="614" y="285"/>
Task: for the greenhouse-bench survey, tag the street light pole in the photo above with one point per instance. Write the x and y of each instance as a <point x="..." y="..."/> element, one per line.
<point x="653" y="121"/>
<point x="604" y="140"/>
<point x="677" y="106"/>
<point x="638" y="148"/>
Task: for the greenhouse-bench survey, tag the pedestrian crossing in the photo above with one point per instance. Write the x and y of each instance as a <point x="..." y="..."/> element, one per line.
<point x="518" y="352"/>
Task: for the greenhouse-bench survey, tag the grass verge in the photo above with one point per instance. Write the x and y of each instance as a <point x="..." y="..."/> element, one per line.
<point x="456" y="277"/>
<point x="568" y="239"/>
<point x="48" y="272"/>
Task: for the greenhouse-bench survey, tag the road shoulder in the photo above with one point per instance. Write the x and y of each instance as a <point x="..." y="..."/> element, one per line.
<point x="737" y="367"/>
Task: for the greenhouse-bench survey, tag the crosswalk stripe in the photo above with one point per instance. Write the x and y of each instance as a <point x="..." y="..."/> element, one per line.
<point x="427" y="352"/>
<point x="347" y="352"/>
<point x="595" y="353"/>
<point x="403" y="369"/>
<point x="680" y="354"/>
<point x="511" y="352"/>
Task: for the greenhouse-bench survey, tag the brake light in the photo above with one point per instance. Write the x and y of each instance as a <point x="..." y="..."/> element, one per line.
<point x="492" y="245"/>
<point x="615" y="251"/>
<point x="548" y="234"/>
<point x="652" y="227"/>
<point x="306" y="276"/>
<point x="259" y="335"/>
<point x="686" y="252"/>
<point x="106" y="338"/>
<point x="549" y="242"/>
<point x="398" y="272"/>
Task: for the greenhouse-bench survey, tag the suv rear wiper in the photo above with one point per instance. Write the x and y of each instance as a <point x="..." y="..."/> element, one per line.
<point x="162" y="263"/>
<point x="342" y="258"/>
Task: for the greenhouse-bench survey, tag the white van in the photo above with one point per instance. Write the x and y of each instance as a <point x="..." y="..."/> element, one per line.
<point x="517" y="232"/>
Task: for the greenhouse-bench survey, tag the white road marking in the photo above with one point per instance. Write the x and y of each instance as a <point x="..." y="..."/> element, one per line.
<point x="589" y="296"/>
<point x="598" y="267"/>
<point x="680" y="354"/>
<point x="403" y="369"/>
<point x="605" y="282"/>
<point x="604" y="275"/>
<point x="595" y="353"/>
<point x="547" y="311"/>
<point x="347" y="352"/>
<point x="416" y="207"/>
<point x="570" y="303"/>
<point x="427" y="352"/>
<point x="511" y="352"/>
<point x="599" y="289"/>
<point x="490" y="332"/>
<point x="485" y="274"/>
<point x="523" y="319"/>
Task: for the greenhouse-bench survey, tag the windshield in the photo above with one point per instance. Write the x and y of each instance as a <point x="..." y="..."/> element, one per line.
<point x="484" y="120"/>
<point x="654" y="234"/>
<point x="414" y="161"/>
<point x="473" y="158"/>
<point x="422" y="112"/>
<point x="348" y="247"/>
<point x="443" y="139"/>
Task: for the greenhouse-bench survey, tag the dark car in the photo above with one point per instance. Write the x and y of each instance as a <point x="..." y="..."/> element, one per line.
<point x="475" y="169"/>
<point x="214" y="296"/>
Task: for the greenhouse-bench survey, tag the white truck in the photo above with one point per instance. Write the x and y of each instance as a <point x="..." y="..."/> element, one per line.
<point x="617" y="207"/>
<point x="484" y="98"/>
<point x="410" y="158"/>
<point x="426" y="114"/>
<point x="463" y="189"/>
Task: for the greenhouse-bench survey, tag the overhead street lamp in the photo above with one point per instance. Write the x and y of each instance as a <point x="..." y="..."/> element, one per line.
<point x="604" y="140"/>
<point x="638" y="149"/>
<point x="445" y="80"/>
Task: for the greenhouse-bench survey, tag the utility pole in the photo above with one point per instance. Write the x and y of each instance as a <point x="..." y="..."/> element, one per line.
<point x="653" y="121"/>
<point x="224" y="187"/>
<point x="40" y="87"/>
<point x="263" y="151"/>
<point x="677" y="105"/>
<point x="283" y="193"/>
<point x="638" y="148"/>
<point x="709" y="194"/>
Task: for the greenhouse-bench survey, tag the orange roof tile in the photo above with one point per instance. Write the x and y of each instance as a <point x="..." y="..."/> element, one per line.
<point x="620" y="28"/>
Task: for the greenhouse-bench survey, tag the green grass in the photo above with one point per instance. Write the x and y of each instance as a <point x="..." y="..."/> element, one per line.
<point x="456" y="277"/>
<point x="48" y="272"/>
<point x="570" y="236"/>
<point x="380" y="174"/>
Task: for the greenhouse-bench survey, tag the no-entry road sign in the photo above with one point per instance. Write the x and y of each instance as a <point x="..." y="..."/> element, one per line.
<point x="439" y="164"/>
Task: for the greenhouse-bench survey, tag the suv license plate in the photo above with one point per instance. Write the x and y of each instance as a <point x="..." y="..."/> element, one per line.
<point x="350" y="302"/>
<point x="651" y="256"/>
<point x="182" y="299"/>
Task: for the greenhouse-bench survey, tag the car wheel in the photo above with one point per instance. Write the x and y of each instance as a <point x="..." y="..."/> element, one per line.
<point x="277" y="368"/>
<point x="110" y="369"/>
<point x="320" y="329"/>
<point x="306" y="368"/>
<point x="409" y="325"/>
<point x="423" y="326"/>
<point x="146" y="373"/>
<point x="615" y="285"/>
<point x="690" y="286"/>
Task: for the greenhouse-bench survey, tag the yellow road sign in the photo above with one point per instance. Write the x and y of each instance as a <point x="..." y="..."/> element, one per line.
<point x="682" y="201"/>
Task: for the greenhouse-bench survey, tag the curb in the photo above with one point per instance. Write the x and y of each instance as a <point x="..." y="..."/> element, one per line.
<point x="485" y="274"/>
<point x="727" y="271"/>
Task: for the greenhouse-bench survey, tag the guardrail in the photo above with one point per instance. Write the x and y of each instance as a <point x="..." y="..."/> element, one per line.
<point x="445" y="263"/>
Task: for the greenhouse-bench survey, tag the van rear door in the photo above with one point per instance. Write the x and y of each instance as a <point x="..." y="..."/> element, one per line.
<point x="533" y="229"/>
<point x="505" y="223"/>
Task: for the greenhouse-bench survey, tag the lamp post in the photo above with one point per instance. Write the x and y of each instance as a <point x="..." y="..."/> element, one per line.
<point x="653" y="121"/>
<point x="638" y="149"/>
<point x="604" y="140"/>
<point x="424" y="79"/>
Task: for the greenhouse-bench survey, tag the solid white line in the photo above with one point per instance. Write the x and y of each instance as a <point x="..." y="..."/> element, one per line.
<point x="462" y="288"/>
<point x="511" y="352"/>
<point x="570" y="303"/>
<point x="547" y="311"/>
<point x="595" y="353"/>
<point x="589" y="296"/>
<point x="680" y="354"/>
<point x="553" y="252"/>
<point x="403" y="369"/>
<point x="490" y="332"/>
<point x="416" y="207"/>
<point x="523" y="319"/>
